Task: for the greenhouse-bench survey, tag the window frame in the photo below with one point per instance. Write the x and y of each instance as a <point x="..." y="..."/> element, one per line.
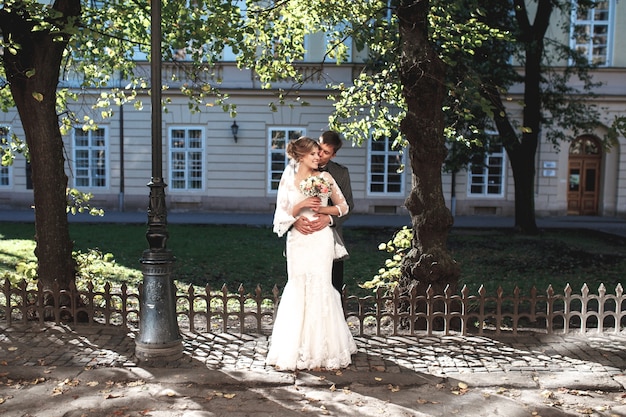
<point x="273" y="154"/>
<point x="386" y="154"/>
<point x="6" y="172"/>
<point x="591" y="23"/>
<point x="90" y="148"/>
<point x="486" y="175"/>
<point x="187" y="150"/>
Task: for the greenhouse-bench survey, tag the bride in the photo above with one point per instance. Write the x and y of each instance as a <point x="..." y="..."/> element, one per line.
<point x="310" y="331"/>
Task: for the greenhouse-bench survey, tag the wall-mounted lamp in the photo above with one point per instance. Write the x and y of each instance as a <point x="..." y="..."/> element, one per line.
<point x="234" y="128"/>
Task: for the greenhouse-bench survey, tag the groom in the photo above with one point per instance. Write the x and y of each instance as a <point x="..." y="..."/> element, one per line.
<point x="330" y="143"/>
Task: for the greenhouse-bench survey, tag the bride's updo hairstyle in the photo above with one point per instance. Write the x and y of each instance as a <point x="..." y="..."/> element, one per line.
<point x="297" y="148"/>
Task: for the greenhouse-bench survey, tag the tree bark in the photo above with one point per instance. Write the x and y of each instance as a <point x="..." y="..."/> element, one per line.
<point x="33" y="74"/>
<point x="422" y="75"/>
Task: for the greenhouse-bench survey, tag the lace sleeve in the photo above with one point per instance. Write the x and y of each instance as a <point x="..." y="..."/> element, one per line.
<point x="336" y="196"/>
<point x="283" y="217"/>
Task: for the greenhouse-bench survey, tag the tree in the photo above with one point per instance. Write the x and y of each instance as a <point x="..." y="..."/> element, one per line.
<point x="423" y="75"/>
<point x="550" y="106"/>
<point x="33" y="51"/>
<point x="402" y="88"/>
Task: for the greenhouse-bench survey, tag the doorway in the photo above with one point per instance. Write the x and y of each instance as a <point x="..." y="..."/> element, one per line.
<point x="583" y="191"/>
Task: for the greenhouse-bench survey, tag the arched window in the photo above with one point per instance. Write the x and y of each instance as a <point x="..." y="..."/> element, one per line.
<point x="585" y="145"/>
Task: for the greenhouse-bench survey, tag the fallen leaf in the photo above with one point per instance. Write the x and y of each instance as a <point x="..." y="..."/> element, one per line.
<point x="393" y="388"/>
<point x="378" y="378"/>
<point x="547" y="394"/>
<point x="333" y="388"/>
<point x="12" y="348"/>
<point x="462" y="385"/>
<point x="230" y="396"/>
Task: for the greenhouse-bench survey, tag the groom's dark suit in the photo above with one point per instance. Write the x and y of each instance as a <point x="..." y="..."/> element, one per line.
<point x="342" y="178"/>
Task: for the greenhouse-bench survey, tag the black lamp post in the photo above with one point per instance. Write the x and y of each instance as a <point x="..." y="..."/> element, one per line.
<point x="159" y="338"/>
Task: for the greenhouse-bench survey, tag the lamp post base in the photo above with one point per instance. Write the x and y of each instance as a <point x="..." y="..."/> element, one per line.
<point x="163" y="353"/>
<point x="159" y="338"/>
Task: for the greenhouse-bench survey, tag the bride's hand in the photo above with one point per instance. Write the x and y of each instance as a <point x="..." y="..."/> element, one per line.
<point x="313" y="203"/>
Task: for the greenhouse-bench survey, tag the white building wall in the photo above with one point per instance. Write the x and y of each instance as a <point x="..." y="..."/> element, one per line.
<point x="235" y="177"/>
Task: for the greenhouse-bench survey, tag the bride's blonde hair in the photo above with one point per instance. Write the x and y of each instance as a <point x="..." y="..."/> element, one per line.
<point x="297" y="148"/>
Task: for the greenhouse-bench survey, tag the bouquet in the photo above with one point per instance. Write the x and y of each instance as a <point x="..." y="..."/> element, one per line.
<point x="316" y="187"/>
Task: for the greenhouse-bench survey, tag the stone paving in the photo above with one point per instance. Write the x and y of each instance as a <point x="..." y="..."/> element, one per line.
<point x="90" y="371"/>
<point x="110" y="346"/>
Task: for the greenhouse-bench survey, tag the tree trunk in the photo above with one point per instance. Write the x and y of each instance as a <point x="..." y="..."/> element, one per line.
<point x="523" y="165"/>
<point x="522" y="158"/>
<point x="33" y="74"/>
<point x="522" y="155"/>
<point x="422" y="75"/>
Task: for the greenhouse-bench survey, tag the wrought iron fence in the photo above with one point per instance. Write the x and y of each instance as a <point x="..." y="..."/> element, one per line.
<point x="382" y="313"/>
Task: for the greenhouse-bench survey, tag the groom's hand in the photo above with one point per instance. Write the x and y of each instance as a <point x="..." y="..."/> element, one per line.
<point x="319" y="222"/>
<point x="303" y="225"/>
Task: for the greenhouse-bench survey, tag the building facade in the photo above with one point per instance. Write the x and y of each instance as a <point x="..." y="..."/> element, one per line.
<point x="209" y="168"/>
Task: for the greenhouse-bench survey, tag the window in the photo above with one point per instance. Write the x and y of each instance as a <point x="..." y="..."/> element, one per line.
<point x="91" y="163"/>
<point x="486" y="173"/>
<point x="591" y="31"/>
<point x="186" y="158"/>
<point x="385" y="167"/>
<point x="5" y="171"/>
<point x="278" y="137"/>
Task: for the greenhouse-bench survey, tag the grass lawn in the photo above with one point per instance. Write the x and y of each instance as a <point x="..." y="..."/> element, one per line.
<point x="234" y="255"/>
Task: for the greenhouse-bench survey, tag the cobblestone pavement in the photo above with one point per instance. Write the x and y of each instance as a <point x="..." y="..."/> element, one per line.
<point x="528" y="374"/>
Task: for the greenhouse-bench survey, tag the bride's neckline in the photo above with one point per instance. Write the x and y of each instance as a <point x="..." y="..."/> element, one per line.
<point x="300" y="176"/>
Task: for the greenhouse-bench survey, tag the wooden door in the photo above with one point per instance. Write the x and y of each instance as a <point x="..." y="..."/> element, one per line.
<point x="583" y="179"/>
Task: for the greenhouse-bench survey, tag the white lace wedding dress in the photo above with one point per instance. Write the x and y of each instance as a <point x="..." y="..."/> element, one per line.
<point x="310" y="330"/>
